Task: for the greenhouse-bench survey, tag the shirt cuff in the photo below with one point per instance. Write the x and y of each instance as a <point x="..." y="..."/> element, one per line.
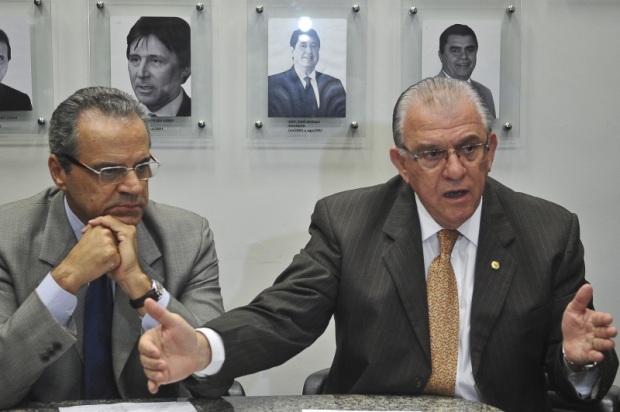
<point x="217" y="353"/>
<point x="147" y="321"/>
<point x="58" y="301"/>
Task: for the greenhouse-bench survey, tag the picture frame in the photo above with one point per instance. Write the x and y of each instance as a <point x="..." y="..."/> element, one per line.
<point x="109" y="25"/>
<point x="276" y="113"/>
<point x="498" y="62"/>
<point x="28" y="79"/>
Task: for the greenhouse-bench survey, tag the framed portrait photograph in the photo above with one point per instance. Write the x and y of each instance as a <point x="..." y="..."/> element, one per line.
<point x="26" y="72"/>
<point x="307" y="67"/>
<point x="306" y="74"/>
<point x="15" y="64"/>
<point x="160" y="52"/>
<point x="158" y="67"/>
<point x="477" y="42"/>
<point x="467" y="50"/>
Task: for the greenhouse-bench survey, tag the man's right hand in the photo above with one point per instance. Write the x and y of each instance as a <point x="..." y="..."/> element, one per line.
<point x="94" y="255"/>
<point x="173" y="350"/>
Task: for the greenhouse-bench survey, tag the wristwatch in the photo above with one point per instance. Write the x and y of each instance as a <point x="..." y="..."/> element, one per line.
<point x="156" y="292"/>
<point x="574" y="367"/>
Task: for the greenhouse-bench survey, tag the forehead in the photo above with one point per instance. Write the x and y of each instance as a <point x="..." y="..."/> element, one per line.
<point x="149" y="45"/>
<point x="100" y="135"/>
<point x="304" y="38"/>
<point x="462" y="41"/>
<point x="443" y="125"/>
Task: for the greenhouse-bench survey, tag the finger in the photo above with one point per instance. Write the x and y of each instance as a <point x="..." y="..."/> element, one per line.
<point x="582" y="298"/>
<point x="601" y="319"/>
<point x="108" y="221"/>
<point x="153" y="387"/>
<point x="159" y="313"/>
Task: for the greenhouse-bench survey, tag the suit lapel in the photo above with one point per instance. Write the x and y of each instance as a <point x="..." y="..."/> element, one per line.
<point x="495" y="268"/>
<point x="406" y="265"/>
<point x="127" y="325"/>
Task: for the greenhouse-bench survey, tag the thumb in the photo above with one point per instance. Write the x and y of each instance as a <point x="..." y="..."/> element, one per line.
<point x="582" y="298"/>
<point x="158" y="312"/>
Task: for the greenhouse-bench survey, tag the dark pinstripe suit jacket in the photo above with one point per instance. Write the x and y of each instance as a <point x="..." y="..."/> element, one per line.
<point x="285" y="95"/>
<point x="364" y="265"/>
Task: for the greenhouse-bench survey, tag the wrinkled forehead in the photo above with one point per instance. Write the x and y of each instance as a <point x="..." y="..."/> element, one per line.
<point x="449" y="119"/>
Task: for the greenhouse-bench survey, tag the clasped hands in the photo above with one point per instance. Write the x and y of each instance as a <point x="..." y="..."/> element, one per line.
<point x="107" y="246"/>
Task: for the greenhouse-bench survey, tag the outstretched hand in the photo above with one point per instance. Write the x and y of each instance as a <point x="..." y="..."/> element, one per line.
<point x="173" y="350"/>
<point x="587" y="333"/>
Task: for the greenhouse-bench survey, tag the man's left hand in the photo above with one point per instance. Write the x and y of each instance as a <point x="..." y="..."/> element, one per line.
<point x="128" y="275"/>
<point x="587" y="333"/>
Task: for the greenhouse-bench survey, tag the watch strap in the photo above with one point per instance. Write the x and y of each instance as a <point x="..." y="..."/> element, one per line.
<point x="155" y="293"/>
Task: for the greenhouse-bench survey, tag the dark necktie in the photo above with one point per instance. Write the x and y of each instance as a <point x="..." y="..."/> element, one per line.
<point x="99" y="380"/>
<point x="443" y="317"/>
<point x="310" y="105"/>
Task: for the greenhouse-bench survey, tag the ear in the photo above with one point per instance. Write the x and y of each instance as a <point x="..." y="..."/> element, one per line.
<point x="57" y="172"/>
<point x="185" y="73"/>
<point x="493" y="142"/>
<point x="398" y="161"/>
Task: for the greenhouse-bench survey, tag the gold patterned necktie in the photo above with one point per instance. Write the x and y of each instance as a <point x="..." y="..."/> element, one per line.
<point x="443" y="316"/>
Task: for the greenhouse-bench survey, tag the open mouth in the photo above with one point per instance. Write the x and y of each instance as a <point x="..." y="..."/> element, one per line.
<point x="455" y="194"/>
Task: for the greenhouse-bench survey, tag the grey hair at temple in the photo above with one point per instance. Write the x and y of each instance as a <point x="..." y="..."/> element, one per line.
<point x="435" y="92"/>
<point x="105" y="101"/>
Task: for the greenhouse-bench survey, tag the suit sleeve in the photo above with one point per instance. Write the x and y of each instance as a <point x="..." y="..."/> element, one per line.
<point x="570" y="276"/>
<point x="290" y="315"/>
<point x="30" y="340"/>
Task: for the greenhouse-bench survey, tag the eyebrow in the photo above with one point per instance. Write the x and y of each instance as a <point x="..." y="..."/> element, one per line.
<point x="469" y="139"/>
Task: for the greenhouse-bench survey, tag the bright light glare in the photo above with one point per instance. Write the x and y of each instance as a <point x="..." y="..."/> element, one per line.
<point x="304" y="24"/>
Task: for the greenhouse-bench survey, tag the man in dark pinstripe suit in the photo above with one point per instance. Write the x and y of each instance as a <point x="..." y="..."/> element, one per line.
<point x="525" y="306"/>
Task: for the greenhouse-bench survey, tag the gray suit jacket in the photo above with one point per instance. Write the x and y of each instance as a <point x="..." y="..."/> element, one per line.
<point x="484" y="92"/>
<point x="41" y="360"/>
<point x="364" y="265"/>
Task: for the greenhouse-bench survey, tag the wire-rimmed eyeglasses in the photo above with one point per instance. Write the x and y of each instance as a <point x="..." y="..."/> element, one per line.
<point x="115" y="174"/>
<point x="468" y="154"/>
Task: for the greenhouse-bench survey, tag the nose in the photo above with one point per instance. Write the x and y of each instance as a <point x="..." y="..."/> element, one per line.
<point x="454" y="168"/>
<point x="130" y="183"/>
<point x="143" y="69"/>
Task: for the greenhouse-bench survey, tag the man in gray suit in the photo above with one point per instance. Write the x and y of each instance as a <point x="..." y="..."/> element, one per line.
<point x="525" y="306"/>
<point x="97" y="226"/>
<point x="458" y="48"/>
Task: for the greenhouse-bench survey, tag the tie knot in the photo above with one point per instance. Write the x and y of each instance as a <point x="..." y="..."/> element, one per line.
<point x="447" y="239"/>
<point x="308" y="80"/>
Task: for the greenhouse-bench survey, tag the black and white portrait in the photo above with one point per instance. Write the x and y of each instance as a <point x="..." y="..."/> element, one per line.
<point x="151" y="58"/>
<point x="466" y="50"/>
<point x="15" y="64"/>
<point x="307" y="66"/>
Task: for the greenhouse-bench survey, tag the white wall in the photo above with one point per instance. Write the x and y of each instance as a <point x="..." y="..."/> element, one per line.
<point x="259" y="201"/>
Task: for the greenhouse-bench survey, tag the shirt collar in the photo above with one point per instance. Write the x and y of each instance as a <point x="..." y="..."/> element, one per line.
<point x="469" y="229"/>
<point x="76" y="223"/>
<point x="171" y="109"/>
<point x="448" y="76"/>
<point x="302" y="76"/>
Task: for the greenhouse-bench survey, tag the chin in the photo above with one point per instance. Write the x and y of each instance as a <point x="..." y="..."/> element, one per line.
<point x="132" y="220"/>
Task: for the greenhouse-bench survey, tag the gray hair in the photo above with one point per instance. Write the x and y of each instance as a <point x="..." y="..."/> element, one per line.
<point x="436" y="92"/>
<point x="105" y="101"/>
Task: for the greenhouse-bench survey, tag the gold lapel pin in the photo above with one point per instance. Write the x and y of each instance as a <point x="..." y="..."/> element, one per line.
<point x="495" y="264"/>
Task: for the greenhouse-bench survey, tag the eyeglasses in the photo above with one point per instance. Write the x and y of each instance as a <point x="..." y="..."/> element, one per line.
<point x="433" y="159"/>
<point x="115" y="174"/>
